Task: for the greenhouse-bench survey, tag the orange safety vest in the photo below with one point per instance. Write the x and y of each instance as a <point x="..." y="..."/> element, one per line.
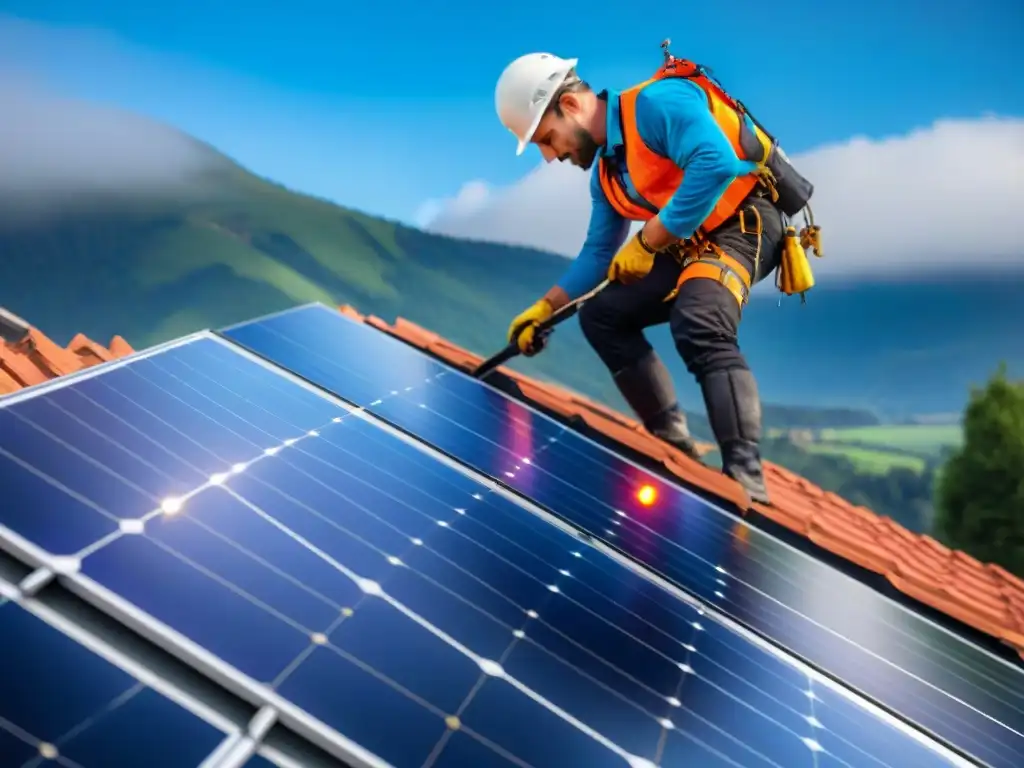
<point x="656" y="178"/>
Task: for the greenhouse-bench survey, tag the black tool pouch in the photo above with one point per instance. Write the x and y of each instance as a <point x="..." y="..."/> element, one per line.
<point x="794" y="190"/>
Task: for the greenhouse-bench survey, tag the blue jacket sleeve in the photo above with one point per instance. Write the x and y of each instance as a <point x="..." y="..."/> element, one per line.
<point x="674" y="121"/>
<point x="605" y="234"/>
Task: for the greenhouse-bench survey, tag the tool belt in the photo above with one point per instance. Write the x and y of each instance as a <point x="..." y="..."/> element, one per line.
<point x="701" y="258"/>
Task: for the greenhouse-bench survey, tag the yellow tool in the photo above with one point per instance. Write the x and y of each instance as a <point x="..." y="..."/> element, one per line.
<point x="794" y="274"/>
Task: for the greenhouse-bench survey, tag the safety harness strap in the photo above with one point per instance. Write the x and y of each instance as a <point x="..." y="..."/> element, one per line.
<point x="715" y="264"/>
<point x="725" y="269"/>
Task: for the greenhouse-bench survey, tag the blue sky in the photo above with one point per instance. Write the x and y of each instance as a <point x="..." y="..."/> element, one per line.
<point x="385" y="105"/>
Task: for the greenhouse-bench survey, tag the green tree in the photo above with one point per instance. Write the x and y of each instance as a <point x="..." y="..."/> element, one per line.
<point x="980" y="491"/>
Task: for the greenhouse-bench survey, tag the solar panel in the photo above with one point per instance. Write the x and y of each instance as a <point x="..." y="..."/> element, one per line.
<point x="371" y="596"/>
<point x="62" y="703"/>
<point x="956" y="690"/>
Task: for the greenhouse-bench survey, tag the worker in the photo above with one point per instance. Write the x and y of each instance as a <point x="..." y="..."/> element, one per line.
<point x="711" y="188"/>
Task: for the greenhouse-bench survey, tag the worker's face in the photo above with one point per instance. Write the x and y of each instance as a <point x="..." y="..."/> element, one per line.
<point x="562" y="136"/>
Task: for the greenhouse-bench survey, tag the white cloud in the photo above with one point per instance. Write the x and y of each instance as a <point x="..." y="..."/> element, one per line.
<point x="471" y="198"/>
<point x="57" y="152"/>
<point x="943" y="196"/>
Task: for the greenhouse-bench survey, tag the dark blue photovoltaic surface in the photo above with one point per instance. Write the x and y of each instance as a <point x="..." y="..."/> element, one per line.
<point x="267" y="568"/>
<point x="956" y="690"/>
<point x="56" y="692"/>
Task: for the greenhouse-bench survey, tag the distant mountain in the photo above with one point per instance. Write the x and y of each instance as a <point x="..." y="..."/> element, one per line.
<point x="154" y="269"/>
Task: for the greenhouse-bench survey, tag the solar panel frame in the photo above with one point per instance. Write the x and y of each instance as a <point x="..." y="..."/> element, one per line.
<point x="47" y="568"/>
<point x="252" y="738"/>
<point x="22" y="595"/>
<point x="232" y="333"/>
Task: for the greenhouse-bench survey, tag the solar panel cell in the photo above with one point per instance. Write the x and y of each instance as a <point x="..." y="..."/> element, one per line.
<point x="379" y="714"/>
<point x="41" y="512"/>
<point x="61" y="703"/>
<point x="318" y="340"/>
<point x="960" y="692"/>
<point x="459" y="749"/>
<point x="387" y="593"/>
<point x="195" y="599"/>
<point x="80" y="472"/>
<point x="101" y="404"/>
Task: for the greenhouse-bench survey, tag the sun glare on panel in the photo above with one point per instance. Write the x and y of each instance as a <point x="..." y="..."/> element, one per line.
<point x="647" y="495"/>
<point x="170" y="506"/>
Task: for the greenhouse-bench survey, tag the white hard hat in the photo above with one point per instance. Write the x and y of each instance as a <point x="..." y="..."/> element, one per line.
<point x="525" y="90"/>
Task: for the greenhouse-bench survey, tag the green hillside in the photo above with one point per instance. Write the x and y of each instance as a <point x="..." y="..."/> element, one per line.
<point x="154" y="270"/>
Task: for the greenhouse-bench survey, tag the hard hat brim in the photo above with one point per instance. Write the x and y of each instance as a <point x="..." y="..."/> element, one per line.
<point x="524" y="141"/>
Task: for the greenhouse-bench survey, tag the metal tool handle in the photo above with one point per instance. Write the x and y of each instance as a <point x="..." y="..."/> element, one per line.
<point x="544" y="329"/>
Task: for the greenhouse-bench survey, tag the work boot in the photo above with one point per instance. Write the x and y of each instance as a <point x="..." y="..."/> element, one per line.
<point x="648" y="389"/>
<point x="734" y="411"/>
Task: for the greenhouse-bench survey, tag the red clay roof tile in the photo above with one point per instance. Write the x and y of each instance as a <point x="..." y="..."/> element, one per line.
<point x="48" y="355"/>
<point x="983" y="596"/>
<point x="119" y="347"/>
<point x="708" y="479"/>
<point x="8" y="383"/>
<point x="16" y="364"/>
<point x="351" y="312"/>
<point x="34" y="358"/>
<point x="86" y="348"/>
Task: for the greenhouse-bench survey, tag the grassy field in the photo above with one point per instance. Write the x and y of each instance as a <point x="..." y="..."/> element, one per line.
<point x="870" y="460"/>
<point x="877" y="449"/>
<point x="921" y="439"/>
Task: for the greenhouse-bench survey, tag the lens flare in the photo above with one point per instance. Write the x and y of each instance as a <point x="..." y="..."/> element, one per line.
<point x="647" y="495"/>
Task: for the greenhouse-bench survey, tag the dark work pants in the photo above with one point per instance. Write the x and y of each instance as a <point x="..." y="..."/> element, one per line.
<point x="704" y="317"/>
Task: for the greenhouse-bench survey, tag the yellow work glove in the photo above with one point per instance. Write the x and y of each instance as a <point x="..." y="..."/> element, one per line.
<point x="633" y="261"/>
<point x="524" y="327"/>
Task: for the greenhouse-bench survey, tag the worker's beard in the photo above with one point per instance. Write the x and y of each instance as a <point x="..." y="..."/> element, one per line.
<point x="586" y="149"/>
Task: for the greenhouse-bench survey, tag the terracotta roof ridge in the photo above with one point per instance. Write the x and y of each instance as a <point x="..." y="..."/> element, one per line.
<point x="29" y="357"/>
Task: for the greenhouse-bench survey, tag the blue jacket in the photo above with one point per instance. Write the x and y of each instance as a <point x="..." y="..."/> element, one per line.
<point x="673" y="119"/>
